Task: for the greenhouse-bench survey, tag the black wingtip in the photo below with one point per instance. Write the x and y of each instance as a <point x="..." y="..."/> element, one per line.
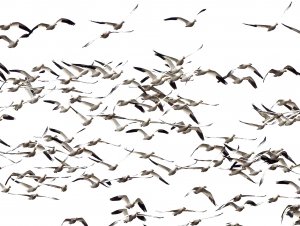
<point x="144" y="79"/>
<point x="140" y="108"/>
<point x="132" y="130"/>
<point x="139" y="69"/>
<point x="115" y="198"/>
<point x="4" y="68"/>
<point x="173" y="84"/>
<point x="67" y="21"/>
<point x="192" y="116"/>
<point x="8" y="117"/>
<point x="57" y="65"/>
<point x="171" y="18"/>
<point x="162" y="131"/>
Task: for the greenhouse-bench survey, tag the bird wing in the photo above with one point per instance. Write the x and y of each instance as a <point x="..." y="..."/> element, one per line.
<point x="202" y="10"/>
<point x="247" y="177"/>
<point x="66" y="21"/>
<point x="141" y="204"/>
<point x="292" y="69"/>
<point x="4" y="68"/>
<point x="4" y="37"/>
<point x="291" y="28"/>
<point x="160" y="165"/>
<point x="148" y="72"/>
<point x="251" y="81"/>
<point x="82" y="221"/>
<point x="209" y="195"/>
<point x="108" y="23"/>
<point x="118" y="211"/>
<point x="2" y="142"/>
<point x="165" y="56"/>
<point x="159" y="177"/>
<point x="137" y="5"/>
<point x="289" y="6"/>
<point x="233" y="205"/>
<point x="177" y="18"/>
<point x="198" y="131"/>
<point x="250" y="124"/>
<point x="257" y="25"/>
<point x="288" y="182"/>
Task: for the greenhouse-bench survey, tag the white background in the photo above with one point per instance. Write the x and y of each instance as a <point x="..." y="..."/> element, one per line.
<point x="227" y="43"/>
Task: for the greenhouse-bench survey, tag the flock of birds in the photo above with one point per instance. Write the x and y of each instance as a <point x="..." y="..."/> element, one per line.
<point x="75" y="86"/>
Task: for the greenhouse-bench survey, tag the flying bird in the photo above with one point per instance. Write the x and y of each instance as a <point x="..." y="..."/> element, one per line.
<point x="268" y="27"/>
<point x="128" y="203"/>
<point x="250" y="66"/>
<point x="280" y="72"/>
<point x="105" y="35"/>
<point x="237" y="80"/>
<point x="185" y="21"/>
<point x="211" y="72"/>
<point x="177" y="61"/>
<point x="116" y="26"/>
<point x="74" y="220"/>
<point x="197" y="190"/>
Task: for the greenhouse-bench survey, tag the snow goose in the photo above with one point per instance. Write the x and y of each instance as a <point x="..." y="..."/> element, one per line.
<point x="129" y="204"/>
<point x="185" y="21"/>
<point x="34" y="196"/>
<point x="105" y="35"/>
<point x="177" y="61"/>
<point x="116" y="26"/>
<point x="74" y="220"/>
<point x="197" y="190"/>
<point x="268" y="27"/>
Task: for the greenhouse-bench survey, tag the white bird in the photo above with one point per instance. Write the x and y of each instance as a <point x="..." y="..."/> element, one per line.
<point x="74" y="220"/>
<point x="177" y="61"/>
<point x="211" y="72"/>
<point x="197" y="190"/>
<point x="116" y="26"/>
<point x="144" y="155"/>
<point x="250" y="66"/>
<point x="105" y="35"/>
<point x="237" y="80"/>
<point x="129" y="204"/>
<point x="34" y="196"/>
<point x="181" y="210"/>
<point x="268" y="27"/>
<point x="119" y="128"/>
<point x="185" y="21"/>
<point x="154" y="174"/>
